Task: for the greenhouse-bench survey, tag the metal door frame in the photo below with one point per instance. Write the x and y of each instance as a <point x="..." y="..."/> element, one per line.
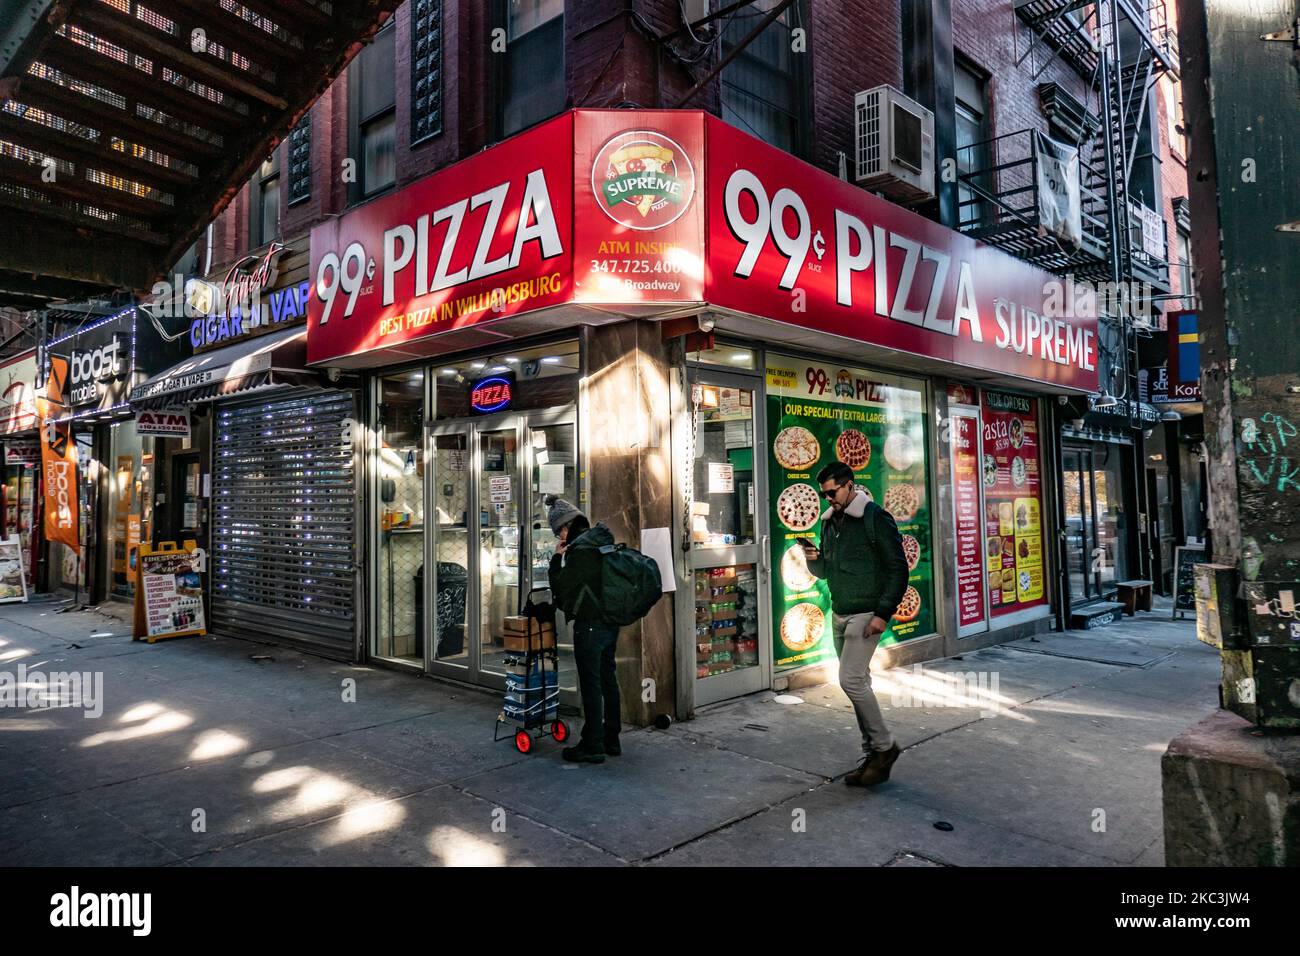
<point x="473" y="428"/>
<point x="1088" y="523"/>
<point x="750" y="679"/>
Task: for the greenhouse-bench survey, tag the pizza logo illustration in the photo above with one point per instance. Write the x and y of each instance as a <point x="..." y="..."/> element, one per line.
<point x="643" y="180"/>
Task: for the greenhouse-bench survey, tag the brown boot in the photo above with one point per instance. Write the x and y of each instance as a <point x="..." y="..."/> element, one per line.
<point x="875" y="769"/>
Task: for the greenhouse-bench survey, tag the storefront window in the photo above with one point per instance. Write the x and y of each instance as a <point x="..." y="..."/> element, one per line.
<point x="451" y="472"/>
<point x="400" y="634"/>
<point x="20" y="500"/>
<point x="722" y="506"/>
<point x="730" y="356"/>
<point x="1095" y="521"/>
<point x="1013" y="503"/>
<point x="554" y="471"/>
<point x="544" y="376"/>
<point x="818" y="413"/>
<point x="130" y="504"/>
<point x="498" y="542"/>
<point x="1112" y="522"/>
<point x="726" y="619"/>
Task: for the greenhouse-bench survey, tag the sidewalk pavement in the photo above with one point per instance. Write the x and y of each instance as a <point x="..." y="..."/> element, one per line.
<point x="218" y="751"/>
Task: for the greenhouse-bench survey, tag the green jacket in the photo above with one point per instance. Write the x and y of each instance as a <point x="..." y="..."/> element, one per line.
<point x="864" y="566"/>
<point x="575" y="576"/>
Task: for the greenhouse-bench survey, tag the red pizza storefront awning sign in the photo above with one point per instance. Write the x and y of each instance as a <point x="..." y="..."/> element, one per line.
<point x="486" y="238"/>
<point x="659" y="210"/>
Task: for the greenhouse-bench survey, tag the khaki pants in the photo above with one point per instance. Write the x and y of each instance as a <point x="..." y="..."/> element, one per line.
<point x="855" y="647"/>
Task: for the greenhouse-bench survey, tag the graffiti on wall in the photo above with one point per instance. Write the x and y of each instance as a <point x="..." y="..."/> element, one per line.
<point x="1268" y="451"/>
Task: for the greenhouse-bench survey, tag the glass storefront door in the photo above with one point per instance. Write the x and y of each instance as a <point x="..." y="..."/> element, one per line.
<point x="1095" y="541"/>
<point x="499" y="468"/>
<point x="729" y="544"/>
<point x="1080" y="529"/>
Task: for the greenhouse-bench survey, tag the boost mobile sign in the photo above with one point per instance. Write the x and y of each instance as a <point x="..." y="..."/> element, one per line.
<point x="88" y="368"/>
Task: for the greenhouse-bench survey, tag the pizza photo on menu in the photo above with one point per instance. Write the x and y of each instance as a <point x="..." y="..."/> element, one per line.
<point x="902" y="501"/>
<point x="899" y="451"/>
<point x="990" y="471"/>
<point x="912" y="549"/>
<point x="1017" y="471"/>
<point x="853" y="448"/>
<point x="909" y="607"/>
<point x="802" y="626"/>
<point x="799" y="507"/>
<point x="794" y="570"/>
<point x="796" y="448"/>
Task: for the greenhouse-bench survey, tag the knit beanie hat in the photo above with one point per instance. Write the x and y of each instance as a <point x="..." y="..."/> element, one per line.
<point x="560" y="512"/>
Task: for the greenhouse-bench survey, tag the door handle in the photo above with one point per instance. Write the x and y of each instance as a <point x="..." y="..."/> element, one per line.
<point x="764" y="554"/>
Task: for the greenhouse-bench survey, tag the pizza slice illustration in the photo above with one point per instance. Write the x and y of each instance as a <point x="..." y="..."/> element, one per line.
<point x="640" y="158"/>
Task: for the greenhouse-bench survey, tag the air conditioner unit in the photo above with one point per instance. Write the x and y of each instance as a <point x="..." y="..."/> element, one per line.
<point x="894" y="145"/>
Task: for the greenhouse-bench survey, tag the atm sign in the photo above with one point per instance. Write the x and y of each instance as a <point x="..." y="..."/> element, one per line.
<point x="492" y="394"/>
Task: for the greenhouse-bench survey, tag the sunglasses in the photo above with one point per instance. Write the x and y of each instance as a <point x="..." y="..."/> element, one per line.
<point x="833" y="492"/>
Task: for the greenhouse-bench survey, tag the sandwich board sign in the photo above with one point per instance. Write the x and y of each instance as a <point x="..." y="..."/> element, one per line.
<point x="13" y="583"/>
<point x="169" y="591"/>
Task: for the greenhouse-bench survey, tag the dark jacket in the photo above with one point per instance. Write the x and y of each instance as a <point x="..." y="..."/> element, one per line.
<point x="864" y="565"/>
<point x="575" y="576"/>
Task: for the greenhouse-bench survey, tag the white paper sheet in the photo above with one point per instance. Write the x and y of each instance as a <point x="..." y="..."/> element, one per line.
<point x="550" y="479"/>
<point x="721" y="478"/>
<point x="657" y="543"/>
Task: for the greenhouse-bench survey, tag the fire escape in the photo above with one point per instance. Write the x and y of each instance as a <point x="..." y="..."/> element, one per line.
<point x="1120" y="49"/>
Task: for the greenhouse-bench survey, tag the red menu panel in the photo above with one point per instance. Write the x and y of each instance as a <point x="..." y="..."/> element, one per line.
<point x="1013" y="503"/>
<point x="966" y="503"/>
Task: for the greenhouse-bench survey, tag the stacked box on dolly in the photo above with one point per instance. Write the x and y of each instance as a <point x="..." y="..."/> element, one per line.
<point x="532" y="695"/>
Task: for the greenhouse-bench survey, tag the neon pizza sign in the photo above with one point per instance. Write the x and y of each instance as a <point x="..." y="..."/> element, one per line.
<point x="492" y="394"/>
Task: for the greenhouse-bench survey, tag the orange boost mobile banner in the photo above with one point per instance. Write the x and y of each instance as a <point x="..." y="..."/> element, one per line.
<point x="59" y="463"/>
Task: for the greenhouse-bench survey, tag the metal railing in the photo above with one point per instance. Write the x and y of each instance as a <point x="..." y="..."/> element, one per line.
<point x="999" y="203"/>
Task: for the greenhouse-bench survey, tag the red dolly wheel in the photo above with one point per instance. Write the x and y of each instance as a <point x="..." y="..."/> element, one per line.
<point x="523" y="742"/>
<point x="560" y="731"/>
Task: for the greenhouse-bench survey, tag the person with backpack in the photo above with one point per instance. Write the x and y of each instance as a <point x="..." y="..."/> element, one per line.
<point x="862" y="559"/>
<point x="575" y="579"/>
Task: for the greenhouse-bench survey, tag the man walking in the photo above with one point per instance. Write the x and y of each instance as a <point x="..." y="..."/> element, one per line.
<point x="575" y="584"/>
<point x="861" y="558"/>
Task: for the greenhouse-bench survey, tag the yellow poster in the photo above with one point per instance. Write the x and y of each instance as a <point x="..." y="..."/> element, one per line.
<point x="1029" y="550"/>
<point x="1005" y="526"/>
<point x="1029" y="584"/>
<point x="1027" y="519"/>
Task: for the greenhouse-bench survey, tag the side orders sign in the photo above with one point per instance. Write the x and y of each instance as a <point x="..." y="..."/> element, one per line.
<point x="791" y="243"/>
<point x="486" y="238"/>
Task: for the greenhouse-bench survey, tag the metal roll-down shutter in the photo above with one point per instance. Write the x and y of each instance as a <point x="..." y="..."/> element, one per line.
<point x="284" y="515"/>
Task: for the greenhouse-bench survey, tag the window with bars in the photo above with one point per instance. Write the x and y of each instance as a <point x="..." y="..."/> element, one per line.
<point x="426" y="69"/>
<point x="300" y="160"/>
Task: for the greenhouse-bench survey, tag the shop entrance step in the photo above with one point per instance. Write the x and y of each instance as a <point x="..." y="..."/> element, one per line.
<point x="1097" y="614"/>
